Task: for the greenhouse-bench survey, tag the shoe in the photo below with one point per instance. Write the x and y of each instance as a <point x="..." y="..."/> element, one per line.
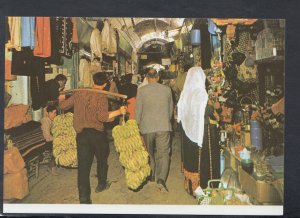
<point x="101" y="187"/>
<point x="162" y="186"/>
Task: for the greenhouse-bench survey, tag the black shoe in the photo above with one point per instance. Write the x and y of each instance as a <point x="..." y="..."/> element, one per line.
<point x="162" y="185"/>
<point x="102" y="187"/>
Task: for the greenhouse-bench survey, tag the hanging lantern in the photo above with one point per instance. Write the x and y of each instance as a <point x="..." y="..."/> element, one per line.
<point x="195" y="37"/>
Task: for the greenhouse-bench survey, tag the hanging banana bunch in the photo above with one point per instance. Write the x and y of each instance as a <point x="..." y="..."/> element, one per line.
<point x="64" y="140"/>
<point x="133" y="156"/>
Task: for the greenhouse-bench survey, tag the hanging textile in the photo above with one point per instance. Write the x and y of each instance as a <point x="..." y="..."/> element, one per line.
<point x="37" y="83"/>
<point x="113" y="43"/>
<point x="109" y="43"/>
<point x="84" y="31"/>
<point x="8" y="59"/>
<point x="27" y="32"/>
<point x="55" y="57"/>
<point x="14" y="24"/>
<point x="43" y="37"/>
<point x="65" y="32"/>
<point x="243" y="41"/>
<point x="74" y="34"/>
<point x="96" y="44"/>
<point x="205" y="47"/>
<point x="84" y="73"/>
<point x="7" y="32"/>
<point x="22" y="62"/>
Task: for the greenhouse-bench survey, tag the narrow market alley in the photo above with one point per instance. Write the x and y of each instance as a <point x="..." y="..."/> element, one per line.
<point x="49" y="189"/>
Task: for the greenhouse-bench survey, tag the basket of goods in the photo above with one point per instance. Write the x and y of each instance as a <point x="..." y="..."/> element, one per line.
<point x="219" y="195"/>
<point x="132" y="153"/>
<point x="211" y="195"/>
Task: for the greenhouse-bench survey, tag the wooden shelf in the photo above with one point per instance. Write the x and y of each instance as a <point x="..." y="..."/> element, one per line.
<point x="270" y="59"/>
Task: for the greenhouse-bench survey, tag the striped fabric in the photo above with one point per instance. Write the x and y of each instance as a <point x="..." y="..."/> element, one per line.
<point x="90" y="109"/>
<point x="27" y="138"/>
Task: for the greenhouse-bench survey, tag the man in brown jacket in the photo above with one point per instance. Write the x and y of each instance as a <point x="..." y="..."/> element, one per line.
<point x="90" y="112"/>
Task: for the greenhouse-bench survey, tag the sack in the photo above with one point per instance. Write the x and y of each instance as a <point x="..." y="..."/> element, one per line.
<point x="13" y="161"/>
<point x="16" y="115"/>
<point x="15" y="186"/>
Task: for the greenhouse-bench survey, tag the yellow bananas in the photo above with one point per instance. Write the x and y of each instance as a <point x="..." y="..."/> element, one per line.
<point x="64" y="142"/>
<point x="133" y="156"/>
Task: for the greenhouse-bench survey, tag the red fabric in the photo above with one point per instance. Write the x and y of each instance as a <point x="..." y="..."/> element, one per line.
<point x="8" y="57"/>
<point x="74" y="35"/>
<point x="131" y="108"/>
<point x="43" y="37"/>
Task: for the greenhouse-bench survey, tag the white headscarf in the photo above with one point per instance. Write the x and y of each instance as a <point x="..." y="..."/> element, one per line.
<point x="191" y="105"/>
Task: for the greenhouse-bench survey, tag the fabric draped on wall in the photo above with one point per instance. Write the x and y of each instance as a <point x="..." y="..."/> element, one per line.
<point x="27" y="32"/>
<point x="14" y="24"/>
<point x="65" y="31"/>
<point x="43" y="37"/>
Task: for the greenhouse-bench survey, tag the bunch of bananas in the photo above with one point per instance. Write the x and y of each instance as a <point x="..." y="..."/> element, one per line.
<point x="64" y="140"/>
<point x="133" y="156"/>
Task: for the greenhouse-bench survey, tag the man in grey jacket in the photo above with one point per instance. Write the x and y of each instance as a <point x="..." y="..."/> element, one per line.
<point x="153" y="112"/>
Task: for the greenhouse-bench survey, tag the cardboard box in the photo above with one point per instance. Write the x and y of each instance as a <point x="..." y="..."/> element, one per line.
<point x="262" y="191"/>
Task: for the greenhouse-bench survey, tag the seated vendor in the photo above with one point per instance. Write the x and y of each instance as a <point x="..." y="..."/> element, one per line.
<point x="46" y="125"/>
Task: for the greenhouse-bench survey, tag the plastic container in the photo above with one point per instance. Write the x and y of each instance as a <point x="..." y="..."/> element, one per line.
<point x="222" y="163"/>
<point x="256" y="134"/>
<point x="195" y="37"/>
<point x="247" y="165"/>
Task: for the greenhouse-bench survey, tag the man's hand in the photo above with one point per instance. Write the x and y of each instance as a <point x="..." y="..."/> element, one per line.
<point x="62" y="97"/>
<point x="123" y="110"/>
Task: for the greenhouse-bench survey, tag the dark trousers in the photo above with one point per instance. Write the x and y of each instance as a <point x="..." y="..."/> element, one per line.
<point x="91" y="142"/>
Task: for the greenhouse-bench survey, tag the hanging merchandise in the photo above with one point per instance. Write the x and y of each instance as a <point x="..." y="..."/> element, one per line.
<point x="84" y="73"/>
<point x="96" y="43"/>
<point x="8" y="60"/>
<point x="64" y="142"/>
<point x="109" y="43"/>
<point x="43" y="37"/>
<point x="74" y="34"/>
<point x="243" y="41"/>
<point x="205" y="47"/>
<point x="65" y="31"/>
<point x="230" y="31"/>
<point x="37" y="83"/>
<point x="195" y="37"/>
<point x="22" y="62"/>
<point x="84" y="31"/>
<point x="27" y="32"/>
<point x="238" y="57"/>
<point x="14" y="24"/>
<point x="113" y="43"/>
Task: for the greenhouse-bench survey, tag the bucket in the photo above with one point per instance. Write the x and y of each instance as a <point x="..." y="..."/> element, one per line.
<point x="256" y="134"/>
<point x="37" y="115"/>
<point x="195" y="37"/>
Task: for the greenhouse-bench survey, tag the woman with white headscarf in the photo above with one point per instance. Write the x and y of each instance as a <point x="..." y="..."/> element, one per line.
<point x="193" y="114"/>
